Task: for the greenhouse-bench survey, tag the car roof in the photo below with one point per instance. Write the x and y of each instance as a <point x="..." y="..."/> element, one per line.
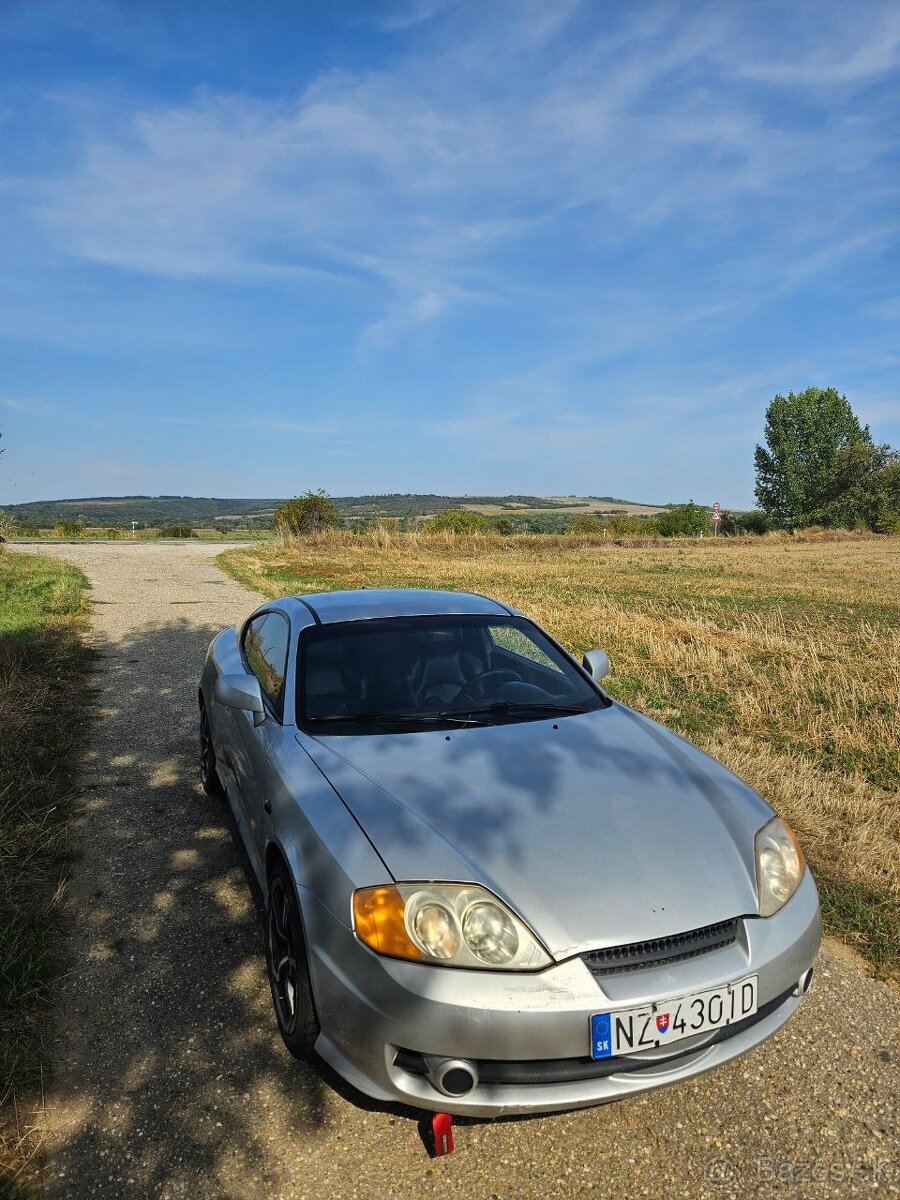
<point x="366" y="603"/>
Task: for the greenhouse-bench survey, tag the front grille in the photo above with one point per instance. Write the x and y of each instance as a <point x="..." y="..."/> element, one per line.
<point x="573" y="1070"/>
<point x="678" y="947"/>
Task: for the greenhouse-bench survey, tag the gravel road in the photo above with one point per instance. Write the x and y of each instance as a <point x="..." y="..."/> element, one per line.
<point x="172" y="1081"/>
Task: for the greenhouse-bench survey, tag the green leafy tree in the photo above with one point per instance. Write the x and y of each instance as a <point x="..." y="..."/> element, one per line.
<point x="310" y="513"/>
<point x="458" y="520"/>
<point x="796" y="471"/>
<point x="684" y="520"/>
<point x="863" y="489"/>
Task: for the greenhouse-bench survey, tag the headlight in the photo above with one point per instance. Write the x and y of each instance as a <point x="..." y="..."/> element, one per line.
<point x="457" y="924"/>
<point x="779" y="866"/>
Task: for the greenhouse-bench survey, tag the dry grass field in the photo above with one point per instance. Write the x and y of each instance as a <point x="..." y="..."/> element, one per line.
<point x="779" y="656"/>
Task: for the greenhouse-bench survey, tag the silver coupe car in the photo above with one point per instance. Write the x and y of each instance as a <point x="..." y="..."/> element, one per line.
<point x="491" y="887"/>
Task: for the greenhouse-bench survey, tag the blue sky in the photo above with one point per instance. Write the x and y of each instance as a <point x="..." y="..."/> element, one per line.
<point x="249" y="249"/>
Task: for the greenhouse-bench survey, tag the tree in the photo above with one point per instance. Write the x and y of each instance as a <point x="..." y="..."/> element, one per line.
<point x="310" y="513"/>
<point x="805" y="434"/>
<point x="863" y="488"/>
<point x="458" y="520"/>
<point x="684" y="520"/>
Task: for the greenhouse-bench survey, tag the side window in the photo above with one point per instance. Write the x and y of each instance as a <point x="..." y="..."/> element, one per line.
<point x="266" y="648"/>
<point x="514" y="641"/>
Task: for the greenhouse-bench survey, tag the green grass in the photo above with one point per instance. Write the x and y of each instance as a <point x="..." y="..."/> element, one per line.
<point x="44" y="665"/>
<point x="865" y="917"/>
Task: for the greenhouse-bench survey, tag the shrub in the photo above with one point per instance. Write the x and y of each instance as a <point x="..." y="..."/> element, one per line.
<point x="112" y="532"/>
<point x="70" y="529"/>
<point x="684" y="520"/>
<point x="625" y="525"/>
<point x="310" y="513"/>
<point x="502" y="525"/>
<point x="756" y="521"/>
<point x="585" y="523"/>
<point x="175" y="531"/>
<point x="458" y="520"/>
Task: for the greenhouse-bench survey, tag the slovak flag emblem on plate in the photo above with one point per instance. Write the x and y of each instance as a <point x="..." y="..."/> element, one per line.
<point x="662" y="1022"/>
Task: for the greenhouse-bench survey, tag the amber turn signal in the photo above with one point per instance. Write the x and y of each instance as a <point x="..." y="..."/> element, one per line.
<point x="378" y="921"/>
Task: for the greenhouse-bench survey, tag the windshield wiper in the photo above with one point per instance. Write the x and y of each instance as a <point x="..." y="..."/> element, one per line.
<point x="501" y="707"/>
<point x="394" y="718"/>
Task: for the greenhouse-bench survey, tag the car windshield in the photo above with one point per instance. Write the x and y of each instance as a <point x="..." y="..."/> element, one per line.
<point x="393" y="675"/>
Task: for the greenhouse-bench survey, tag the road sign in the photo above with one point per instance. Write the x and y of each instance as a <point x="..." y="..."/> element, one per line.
<point x="716" y="516"/>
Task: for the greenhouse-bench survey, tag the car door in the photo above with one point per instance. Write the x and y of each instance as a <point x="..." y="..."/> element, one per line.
<point x="264" y="648"/>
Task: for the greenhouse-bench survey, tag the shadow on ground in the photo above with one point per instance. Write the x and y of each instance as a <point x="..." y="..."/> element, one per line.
<point x="174" y="1080"/>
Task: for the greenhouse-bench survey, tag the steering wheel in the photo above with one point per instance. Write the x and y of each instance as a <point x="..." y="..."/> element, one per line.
<point x="475" y="688"/>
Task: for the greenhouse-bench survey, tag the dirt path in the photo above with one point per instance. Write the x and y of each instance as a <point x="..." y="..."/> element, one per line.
<point x="173" y="1081"/>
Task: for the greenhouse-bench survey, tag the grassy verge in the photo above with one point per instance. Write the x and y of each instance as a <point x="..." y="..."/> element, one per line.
<point x="780" y="658"/>
<point x="43" y="669"/>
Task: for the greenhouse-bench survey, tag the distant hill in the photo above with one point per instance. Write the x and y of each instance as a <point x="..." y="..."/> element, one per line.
<point x="200" y="511"/>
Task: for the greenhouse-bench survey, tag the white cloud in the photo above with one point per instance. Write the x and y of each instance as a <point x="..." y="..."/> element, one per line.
<point x="843" y="45"/>
<point x="28" y="407"/>
<point x="511" y="122"/>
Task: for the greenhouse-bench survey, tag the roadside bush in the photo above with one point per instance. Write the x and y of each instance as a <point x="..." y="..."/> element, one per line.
<point x="112" y="532"/>
<point x="756" y="521"/>
<point x="175" y="531"/>
<point x="70" y="529"/>
<point x="753" y="522"/>
<point x="310" y="513"/>
<point x="684" y="520"/>
<point x="460" y="521"/>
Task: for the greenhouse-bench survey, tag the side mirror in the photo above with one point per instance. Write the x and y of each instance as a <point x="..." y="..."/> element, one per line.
<point x="241" y="691"/>
<point x="596" y="663"/>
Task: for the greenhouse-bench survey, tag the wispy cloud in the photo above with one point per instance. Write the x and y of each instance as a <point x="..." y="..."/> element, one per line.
<point x="517" y="246"/>
<point x="419" y="179"/>
<point x="27" y="406"/>
<point x="841" y="45"/>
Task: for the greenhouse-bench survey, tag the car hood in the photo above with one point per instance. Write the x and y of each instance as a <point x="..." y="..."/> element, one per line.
<point x="598" y="829"/>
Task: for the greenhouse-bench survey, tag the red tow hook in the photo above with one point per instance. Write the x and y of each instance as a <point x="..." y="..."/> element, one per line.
<point x="442" y="1132"/>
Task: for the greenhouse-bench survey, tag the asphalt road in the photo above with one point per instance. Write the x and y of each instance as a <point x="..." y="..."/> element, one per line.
<point x="172" y="1080"/>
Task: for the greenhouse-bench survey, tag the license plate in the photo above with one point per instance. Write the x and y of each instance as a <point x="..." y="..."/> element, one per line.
<point x="630" y="1030"/>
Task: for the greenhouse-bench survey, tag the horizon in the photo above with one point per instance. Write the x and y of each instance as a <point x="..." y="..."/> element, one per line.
<point x="470" y="497"/>
<point x="479" y="250"/>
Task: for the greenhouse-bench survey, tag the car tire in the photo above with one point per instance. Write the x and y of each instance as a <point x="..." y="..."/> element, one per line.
<point x="288" y="966"/>
<point x="209" y="776"/>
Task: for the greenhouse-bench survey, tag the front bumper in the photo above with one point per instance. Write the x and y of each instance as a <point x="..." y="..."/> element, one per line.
<point x="371" y="1008"/>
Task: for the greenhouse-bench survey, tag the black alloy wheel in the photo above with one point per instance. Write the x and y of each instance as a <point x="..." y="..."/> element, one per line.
<point x="288" y="966"/>
<point x="209" y="776"/>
